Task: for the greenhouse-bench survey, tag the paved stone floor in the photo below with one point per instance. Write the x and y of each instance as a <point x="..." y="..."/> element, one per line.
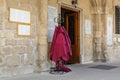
<point x="79" y="72"/>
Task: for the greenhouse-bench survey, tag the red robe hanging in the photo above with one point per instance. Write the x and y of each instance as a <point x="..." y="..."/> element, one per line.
<point x="60" y="47"/>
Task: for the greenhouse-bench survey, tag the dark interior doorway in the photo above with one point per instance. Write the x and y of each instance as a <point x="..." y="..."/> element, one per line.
<point x="71" y="21"/>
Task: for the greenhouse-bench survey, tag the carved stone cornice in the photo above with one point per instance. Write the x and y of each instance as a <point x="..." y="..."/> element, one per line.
<point x="98" y="3"/>
<point x="98" y="6"/>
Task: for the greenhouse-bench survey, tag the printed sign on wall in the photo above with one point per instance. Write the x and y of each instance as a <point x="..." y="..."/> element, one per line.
<point x="20" y="16"/>
<point x="109" y="30"/>
<point x="52" y="14"/>
<point x="87" y="26"/>
<point x="23" y="30"/>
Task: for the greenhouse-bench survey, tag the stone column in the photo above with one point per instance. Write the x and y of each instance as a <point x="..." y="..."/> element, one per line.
<point x="98" y="54"/>
<point x="42" y="62"/>
<point x="98" y="17"/>
<point x="104" y="38"/>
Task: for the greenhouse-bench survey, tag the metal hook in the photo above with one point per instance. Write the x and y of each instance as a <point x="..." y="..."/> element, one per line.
<point x="59" y="20"/>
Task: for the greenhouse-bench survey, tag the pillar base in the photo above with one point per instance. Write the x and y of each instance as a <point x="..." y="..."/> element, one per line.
<point x="42" y="66"/>
<point x="100" y="60"/>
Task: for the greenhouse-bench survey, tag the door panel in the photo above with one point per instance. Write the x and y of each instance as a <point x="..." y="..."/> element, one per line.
<point x="72" y="27"/>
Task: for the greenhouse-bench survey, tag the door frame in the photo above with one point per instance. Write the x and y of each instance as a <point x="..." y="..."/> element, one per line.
<point x="80" y="23"/>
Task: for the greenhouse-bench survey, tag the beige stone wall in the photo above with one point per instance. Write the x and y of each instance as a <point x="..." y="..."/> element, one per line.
<point x="17" y="53"/>
<point x="109" y="52"/>
<point x="86" y="46"/>
<point x="114" y="50"/>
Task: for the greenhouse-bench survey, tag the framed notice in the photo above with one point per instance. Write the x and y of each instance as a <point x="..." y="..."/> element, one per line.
<point x="109" y="29"/>
<point x="87" y="26"/>
<point x="20" y="16"/>
<point x="51" y="22"/>
<point x="23" y="30"/>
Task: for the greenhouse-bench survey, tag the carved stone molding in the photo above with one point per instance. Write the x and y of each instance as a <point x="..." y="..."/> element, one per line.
<point x="98" y="6"/>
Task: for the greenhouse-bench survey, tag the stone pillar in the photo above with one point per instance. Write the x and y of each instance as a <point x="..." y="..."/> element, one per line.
<point x="99" y="24"/>
<point x="104" y="57"/>
<point x="98" y="54"/>
<point x="42" y="62"/>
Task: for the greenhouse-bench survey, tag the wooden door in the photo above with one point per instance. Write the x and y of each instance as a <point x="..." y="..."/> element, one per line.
<point x="72" y="27"/>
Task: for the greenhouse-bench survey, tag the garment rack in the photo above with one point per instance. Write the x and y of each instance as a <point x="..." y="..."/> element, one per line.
<point x="59" y="20"/>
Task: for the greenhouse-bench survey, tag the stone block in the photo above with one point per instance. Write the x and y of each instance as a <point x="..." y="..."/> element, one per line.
<point x="27" y="59"/>
<point x="30" y="49"/>
<point x="23" y="42"/>
<point x="31" y="59"/>
<point x="1" y="27"/>
<point x="43" y="52"/>
<point x="24" y="59"/>
<point x="13" y="60"/>
<point x="43" y="40"/>
<point x="11" y="26"/>
<point x="19" y="50"/>
<point x="6" y="50"/>
<point x="34" y="42"/>
<point x="2" y="41"/>
<point x="9" y="34"/>
<point x="43" y="49"/>
<point x="1" y="60"/>
<point x="43" y="31"/>
<point x="1" y="34"/>
<point x="35" y="2"/>
<point x="8" y="71"/>
<point x="11" y="42"/>
<point x="1" y="3"/>
<point x="25" y="69"/>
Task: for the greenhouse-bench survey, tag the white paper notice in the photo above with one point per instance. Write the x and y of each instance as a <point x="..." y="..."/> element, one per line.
<point x="52" y="14"/>
<point x="109" y="30"/>
<point x="23" y="29"/>
<point x="21" y="16"/>
<point x="87" y="26"/>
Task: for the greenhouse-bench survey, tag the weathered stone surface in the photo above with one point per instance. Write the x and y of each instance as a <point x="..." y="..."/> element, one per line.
<point x="31" y="59"/>
<point x="8" y="34"/>
<point x="43" y="40"/>
<point x="25" y="69"/>
<point x="13" y="60"/>
<point x="12" y="46"/>
<point x="1" y="28"/>
<point x="19" y="50"/>
<point x="88" y="53"/>
<point x="11" y="42"/>
<point x="1" y="34"/>
<point x="1" y="3"/>
<point x="27" y="59"/>
<point x="23" y="42"/>
<point x="2" y="41"/>
<point x="44" y="32"/>
<point x="34" y="42"/>
<point x="1" y="60"/>
<point x="6" y="50"/>
<point x="11" y="26"/>
<point x="16" y="70"/>
<point x="44" y="51"/>
<point x="30" y="50"/>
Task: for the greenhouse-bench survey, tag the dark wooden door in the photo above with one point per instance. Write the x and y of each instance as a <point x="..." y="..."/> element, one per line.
<point x="72" y="27"/>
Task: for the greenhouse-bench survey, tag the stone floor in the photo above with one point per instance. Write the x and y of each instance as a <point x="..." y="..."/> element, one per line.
<point x="79" y="72"/>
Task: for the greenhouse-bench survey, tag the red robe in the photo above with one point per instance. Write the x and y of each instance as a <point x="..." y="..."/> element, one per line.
<point x="60" y="47"/>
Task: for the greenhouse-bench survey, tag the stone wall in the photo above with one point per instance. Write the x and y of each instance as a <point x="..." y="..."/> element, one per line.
<point x="114" y="49"/>
<point x="17" y="53"/>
